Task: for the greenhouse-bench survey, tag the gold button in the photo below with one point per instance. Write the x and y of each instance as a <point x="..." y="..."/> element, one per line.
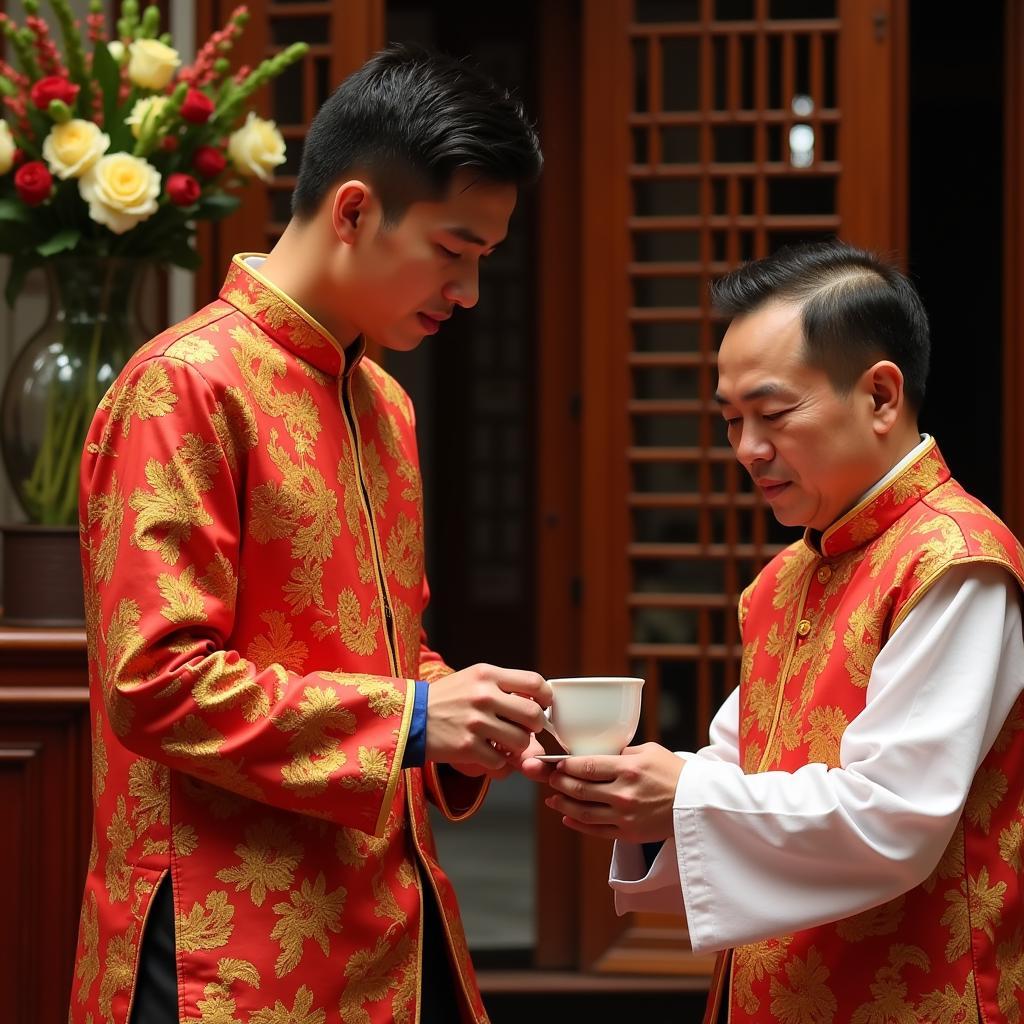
<point x="803" y="627"/>
<point x="825" y="574"/>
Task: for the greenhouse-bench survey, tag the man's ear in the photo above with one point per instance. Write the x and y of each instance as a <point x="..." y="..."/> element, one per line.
<point x="348" y="211"/>
<point x="884" y="381"/>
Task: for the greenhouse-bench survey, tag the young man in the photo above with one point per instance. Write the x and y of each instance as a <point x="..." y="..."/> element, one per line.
<point x="264" y="735"/>
<point x="853" y="835"/>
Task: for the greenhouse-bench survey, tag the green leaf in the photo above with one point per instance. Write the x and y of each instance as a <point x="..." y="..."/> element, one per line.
<point x="60" y="242"/>
<point x="217" y="206"/>
<point x="107" y="73"/>
<point x="13" y="210"/>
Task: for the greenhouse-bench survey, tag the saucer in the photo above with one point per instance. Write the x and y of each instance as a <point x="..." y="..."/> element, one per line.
<point x="551" y="758"/>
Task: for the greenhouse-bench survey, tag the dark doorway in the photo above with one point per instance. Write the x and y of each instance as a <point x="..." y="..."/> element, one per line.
<point x="956" y="230"/>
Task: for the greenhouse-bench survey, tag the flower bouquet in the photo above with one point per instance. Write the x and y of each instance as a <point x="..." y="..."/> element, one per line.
<point x="110" y="152"/>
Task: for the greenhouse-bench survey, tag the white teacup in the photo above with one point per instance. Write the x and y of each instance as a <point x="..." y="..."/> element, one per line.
<point x="594" y="714"/>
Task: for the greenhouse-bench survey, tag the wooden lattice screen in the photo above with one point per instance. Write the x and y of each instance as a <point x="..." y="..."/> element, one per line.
<point x="714" y="132"/>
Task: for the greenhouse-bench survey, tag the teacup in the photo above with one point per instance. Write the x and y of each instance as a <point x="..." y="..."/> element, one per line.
<point x="594" y="714"/>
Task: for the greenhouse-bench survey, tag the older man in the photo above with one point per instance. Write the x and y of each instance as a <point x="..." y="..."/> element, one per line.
<point x="852" y="836"/>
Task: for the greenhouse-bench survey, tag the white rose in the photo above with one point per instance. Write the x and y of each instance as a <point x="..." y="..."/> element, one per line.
<point x="256" y="148"/>
<point x="73" y="147"/>
<point x="147" y="109"/>
<point x="116" y="48"/>
<point x="121" y="191"/>
<point x="152" y="64"/>
<point x="7" y="147"/>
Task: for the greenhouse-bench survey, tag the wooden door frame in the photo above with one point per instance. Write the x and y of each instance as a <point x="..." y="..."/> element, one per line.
<point x="1013" y="271"/>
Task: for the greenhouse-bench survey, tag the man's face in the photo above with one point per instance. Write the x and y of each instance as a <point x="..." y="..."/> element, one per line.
<point x="409" y="277"/>
<point x="809" y="449"/>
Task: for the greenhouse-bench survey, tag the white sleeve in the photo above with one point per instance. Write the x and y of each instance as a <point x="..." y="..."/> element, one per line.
<point x="657" y="890"/>
<point x="767" y="854"/>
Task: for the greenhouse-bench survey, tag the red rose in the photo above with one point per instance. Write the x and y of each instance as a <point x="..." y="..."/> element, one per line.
<point x="169" y="143"/>
<point x="183" y="189"/>
<point x="197" y="107"/>
<point x="209" y="162"/>
<point x="33" y="182"/>
<point x="19" y="157"/>
<point x="53" y="87"/>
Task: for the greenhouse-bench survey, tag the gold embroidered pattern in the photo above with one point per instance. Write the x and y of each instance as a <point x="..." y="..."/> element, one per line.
<point x="755" y="962"/>
<point x="311" y="913"/>
<point x="827" y="725"/>
<point x="207" y="927"/>
<point x="882" y="920"/>
<point x="267" y="861"/>
<point x="890" y="1005"/>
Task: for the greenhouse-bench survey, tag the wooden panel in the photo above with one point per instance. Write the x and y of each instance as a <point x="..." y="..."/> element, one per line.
<point x="44" y="790"/>
<point x="1013" y="272"/>
<point x="556" y="613"/>
<point x="709" y="140"/>
<point x="342" y="34"/>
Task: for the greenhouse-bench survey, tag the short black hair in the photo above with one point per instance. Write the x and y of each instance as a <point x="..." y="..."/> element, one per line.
<point x="855" y="309"/>
<point x="409" y="118"/>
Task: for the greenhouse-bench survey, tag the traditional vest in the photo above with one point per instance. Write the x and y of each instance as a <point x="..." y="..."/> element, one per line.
<point x="813" y="622"/>
<point x="252" y="542"/>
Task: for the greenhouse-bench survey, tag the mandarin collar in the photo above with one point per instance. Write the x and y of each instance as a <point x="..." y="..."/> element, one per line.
<point x="284" y="320"/>
<point x="883" y="505"/>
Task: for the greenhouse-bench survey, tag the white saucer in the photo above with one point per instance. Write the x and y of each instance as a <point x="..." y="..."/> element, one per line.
<point x="552" y="758"/>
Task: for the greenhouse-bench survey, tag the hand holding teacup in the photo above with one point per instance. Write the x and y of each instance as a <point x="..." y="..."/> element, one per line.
<point x="602" y="789"/>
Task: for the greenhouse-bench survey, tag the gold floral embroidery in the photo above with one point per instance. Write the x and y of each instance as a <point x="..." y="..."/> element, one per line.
<point x="947" y="1006"/>
<point x="381" y="694"/>
<point x="192" y="348"/>
<point x="863" y="637"/>
<point x="404" y="557"/>
<point x="827" y="725"/>
<point x="372" y="973"/>
<point x="1011" y="845"/>
<point x="753" y="963"/>
<point x="174" y="507"/>
<point x="267" y="861"/>
<point x="987" y="791"/>
<point x="149" y="783"/>
<point x="260" y="362"/>
<point x="151" y="396"/>
<point x="920" y="478"/>
<point x="120" y="836"/>
<point x="991" y="545"/>
<point x="107" y="510"/>
<point x="373" y="771"/>
<point x="951" y="863"/>
<point x="119" y="968"/>
<point x="790" y="580"/>
<point x="184" y="598"/>
<point x="1010" y="968"/>
<point x="808" y="1000"/>
<point x="235" y="425"/>
<point x="277" y="645"/>
<point x="316" y="755"/>
<point x="311" y="913"/>
<point x="358" y="634"/>
<point x="207" y="927"/>
<point x="407" y="626"/>
<point x="354" y="847"/>
<point x="99" y="760"/>
<point x="185" y="840"/>
<point x="890" y="1005"/>
<point x="760" y="707"/>
<point x="302" y="1011"/>
<point x="386" y="905"/>
<point x="220" y="582"/>
<point x="981" y="907"/>
<point x="88" y="965"/>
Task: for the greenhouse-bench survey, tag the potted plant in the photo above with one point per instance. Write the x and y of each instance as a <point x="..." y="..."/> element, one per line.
<point x="110" y="152"/>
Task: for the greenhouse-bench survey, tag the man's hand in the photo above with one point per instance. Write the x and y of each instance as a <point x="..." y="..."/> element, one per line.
<point x="513" y="763"/>
<point x="628" y="796"/>
<point x="481" y="720"/>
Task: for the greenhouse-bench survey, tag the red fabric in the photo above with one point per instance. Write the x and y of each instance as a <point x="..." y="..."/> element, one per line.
<point x="253" y="557"/>
<point x="813" y="623"/>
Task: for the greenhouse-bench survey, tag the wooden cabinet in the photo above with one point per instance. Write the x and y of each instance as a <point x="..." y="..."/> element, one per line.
<point x="44" y="793"/>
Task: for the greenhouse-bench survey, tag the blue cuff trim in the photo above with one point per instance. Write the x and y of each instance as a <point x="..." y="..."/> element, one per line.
<point x="416" y="744"/>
